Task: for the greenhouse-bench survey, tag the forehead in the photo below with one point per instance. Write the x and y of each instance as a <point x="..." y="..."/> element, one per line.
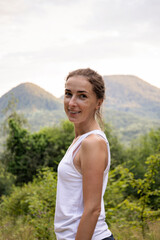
<point x="78" y="83"/>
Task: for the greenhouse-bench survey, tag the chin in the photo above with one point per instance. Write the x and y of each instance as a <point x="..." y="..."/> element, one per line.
<point x="73" y="120"/>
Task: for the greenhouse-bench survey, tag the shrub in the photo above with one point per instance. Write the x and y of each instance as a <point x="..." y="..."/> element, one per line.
<point x="33" y="203"/>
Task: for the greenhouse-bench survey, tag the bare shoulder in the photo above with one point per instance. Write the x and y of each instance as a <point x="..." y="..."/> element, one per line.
<point x="93" y="153"/>
<point x="94" y="142"/>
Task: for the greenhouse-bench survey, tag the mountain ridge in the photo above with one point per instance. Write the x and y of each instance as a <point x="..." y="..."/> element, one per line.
<point x="131" y="105"/>
<point x="132" y="94"/>
<point x="30" y="95"/>
<point x="140" y="83"/>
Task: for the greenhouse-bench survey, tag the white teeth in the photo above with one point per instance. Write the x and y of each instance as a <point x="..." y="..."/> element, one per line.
<point x="73" y="112"/>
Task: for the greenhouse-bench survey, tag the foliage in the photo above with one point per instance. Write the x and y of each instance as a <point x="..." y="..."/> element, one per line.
<point x="27" y="152"/>
<point x="146" y="190"/>
<point x="10" y="112"/>
<point x="119" y="180"/>
<point x="131" y="210"/>
<point x="135" y="233"/>
<point x="6" y="180"/>
<point x="33" y="205"/>
<point x="19" y="230"/>
<point x="132" y="198"/>
<point x="140" y="149"/>
<point x="59" y="139"/>
<point x="129" y="125"/>
<point x="116" y="148"/>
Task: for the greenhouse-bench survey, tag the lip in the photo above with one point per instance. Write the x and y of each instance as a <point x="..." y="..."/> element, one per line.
<point x="73" y="112"/>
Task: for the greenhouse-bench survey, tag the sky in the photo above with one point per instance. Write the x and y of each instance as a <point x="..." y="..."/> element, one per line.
<point x="41" y="41"/>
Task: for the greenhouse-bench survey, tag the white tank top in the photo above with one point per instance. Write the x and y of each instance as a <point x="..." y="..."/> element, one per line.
<point x="69" y="200"/>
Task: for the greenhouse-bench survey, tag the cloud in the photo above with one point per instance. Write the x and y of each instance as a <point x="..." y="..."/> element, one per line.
<point x="98" y="29"/>
<point x="135" y="20"/>
<point x="37" y="26"/>
<point x="40" y="38"/>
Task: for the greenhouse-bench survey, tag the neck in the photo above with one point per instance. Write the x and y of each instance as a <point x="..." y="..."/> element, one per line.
<point x="84" y="128"/>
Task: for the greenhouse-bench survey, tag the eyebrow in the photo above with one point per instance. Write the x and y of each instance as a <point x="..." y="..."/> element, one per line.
<point x="80" y="91"/>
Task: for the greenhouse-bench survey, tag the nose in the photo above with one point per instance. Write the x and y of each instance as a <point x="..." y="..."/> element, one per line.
<point x="72" y="101"/>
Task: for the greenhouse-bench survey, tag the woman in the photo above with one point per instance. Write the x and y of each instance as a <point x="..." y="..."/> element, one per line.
<point x="83" y="172"/>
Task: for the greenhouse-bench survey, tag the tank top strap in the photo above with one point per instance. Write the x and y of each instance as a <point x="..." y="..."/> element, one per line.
<point x="83" y="136"/>
<point x="76" y="146"/>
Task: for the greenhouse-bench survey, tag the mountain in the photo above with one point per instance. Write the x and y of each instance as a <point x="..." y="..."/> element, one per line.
<point x="132" y="106"/>
<point x="131" y="94"/>
<point x="40" y="107"/>
<point x="32" y="97"/>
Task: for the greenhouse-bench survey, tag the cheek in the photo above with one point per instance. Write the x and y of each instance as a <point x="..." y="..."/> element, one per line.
<point x="65" y="103"/>
<point x="93" y="107"/>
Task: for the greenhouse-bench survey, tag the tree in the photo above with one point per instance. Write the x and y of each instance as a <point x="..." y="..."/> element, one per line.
<point x="139" y="150"/>
<point x="126" y="208"/>
<point x="118" y="155"/>
<point x="6" y="180"/>
<point x="27" y="152"/>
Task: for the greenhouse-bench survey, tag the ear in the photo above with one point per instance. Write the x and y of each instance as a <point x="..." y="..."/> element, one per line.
<point x="99" y="103"/>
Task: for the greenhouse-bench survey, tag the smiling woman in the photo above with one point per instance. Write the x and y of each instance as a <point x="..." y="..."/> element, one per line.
<point x="95" y="87"/>
<point x="83" y="171"/>
<point x="80" y="101"/>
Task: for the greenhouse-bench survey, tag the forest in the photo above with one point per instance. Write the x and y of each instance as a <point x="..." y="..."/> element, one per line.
<point x="28" y="176"/>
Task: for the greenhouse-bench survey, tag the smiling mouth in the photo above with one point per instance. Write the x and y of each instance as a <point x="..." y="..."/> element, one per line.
<point x="73" y="112"/>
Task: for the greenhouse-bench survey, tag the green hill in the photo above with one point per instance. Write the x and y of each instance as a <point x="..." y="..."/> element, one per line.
<point x="131" y="94"/>
<point x="132" y="106"/>
<point x="40" y="107"/>
<point x="32" y="97"/>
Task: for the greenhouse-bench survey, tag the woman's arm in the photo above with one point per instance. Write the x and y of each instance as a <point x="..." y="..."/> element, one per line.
<point x="93" y="159"/>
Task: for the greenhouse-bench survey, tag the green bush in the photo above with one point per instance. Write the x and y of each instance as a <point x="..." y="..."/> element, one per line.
<point x="26" y="152"/>
<point x="9" y="230"/>
<point x="33" y="204"/>
<point x="6" y="180"/>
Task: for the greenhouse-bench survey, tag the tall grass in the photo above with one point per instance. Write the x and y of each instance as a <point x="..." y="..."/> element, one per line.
<point x="135" y="233"/>
<point x="24" y="231"/>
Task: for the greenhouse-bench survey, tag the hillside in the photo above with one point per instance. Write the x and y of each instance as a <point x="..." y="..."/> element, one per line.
<point x="32" y="97"/>
<point x="40" y="107"/>
<point x="132" y="106"/>
<point x="131" y="94"/>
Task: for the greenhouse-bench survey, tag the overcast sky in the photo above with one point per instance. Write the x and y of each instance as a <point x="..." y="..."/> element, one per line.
<point x="42" y="40"/>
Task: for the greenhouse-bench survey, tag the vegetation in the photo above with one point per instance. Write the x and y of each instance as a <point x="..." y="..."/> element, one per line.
<point x="131" y="94"/>
<point x="130" y="126"/>
<point x="27" y="152"/>
<point x="28" y="168"/>
<point x="131" y="106"/>
<point x="28" y="212"/>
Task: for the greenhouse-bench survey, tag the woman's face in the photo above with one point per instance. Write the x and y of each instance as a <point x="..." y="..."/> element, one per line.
<point x="80" y="102"/>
